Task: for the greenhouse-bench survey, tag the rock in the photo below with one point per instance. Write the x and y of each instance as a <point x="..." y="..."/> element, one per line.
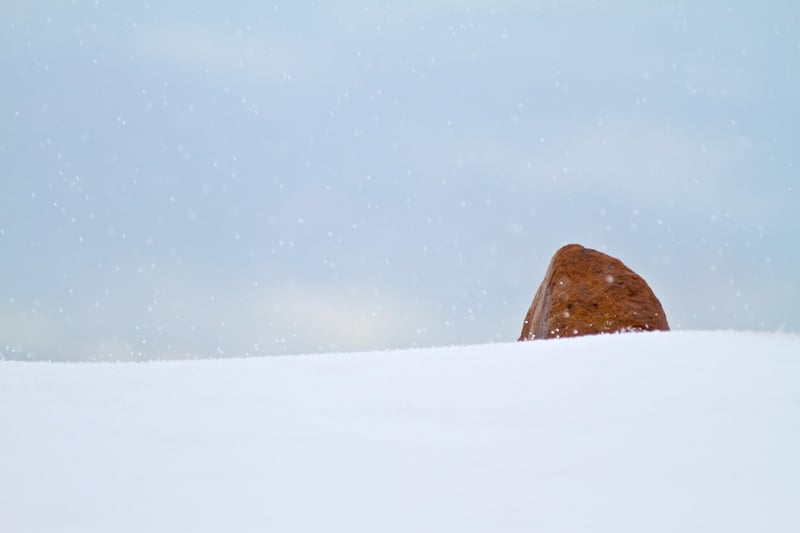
<point x="586" y="292"/>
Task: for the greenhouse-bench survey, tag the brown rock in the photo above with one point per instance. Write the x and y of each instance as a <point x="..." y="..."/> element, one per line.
<point x="585" y="292"/>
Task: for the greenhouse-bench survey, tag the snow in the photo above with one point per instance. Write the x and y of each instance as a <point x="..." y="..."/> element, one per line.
<point x="656" y="432"/>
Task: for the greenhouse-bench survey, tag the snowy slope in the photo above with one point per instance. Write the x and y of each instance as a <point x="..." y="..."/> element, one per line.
<point x="682" y="431"/>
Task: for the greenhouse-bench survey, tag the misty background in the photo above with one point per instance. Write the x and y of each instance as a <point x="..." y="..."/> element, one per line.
<point x="204" y="179"/>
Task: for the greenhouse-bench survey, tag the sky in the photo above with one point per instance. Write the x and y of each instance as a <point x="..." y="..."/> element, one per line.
<point x="196" y="179"/>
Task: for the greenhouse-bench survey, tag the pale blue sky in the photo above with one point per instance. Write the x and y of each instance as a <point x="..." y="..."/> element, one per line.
<point x="265" y="178"/>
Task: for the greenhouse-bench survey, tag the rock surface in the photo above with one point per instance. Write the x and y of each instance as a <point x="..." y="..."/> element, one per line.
<point x="586" y="292"/>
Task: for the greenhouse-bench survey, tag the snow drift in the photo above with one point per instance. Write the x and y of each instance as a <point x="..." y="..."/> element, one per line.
<point x="680" y="431"/>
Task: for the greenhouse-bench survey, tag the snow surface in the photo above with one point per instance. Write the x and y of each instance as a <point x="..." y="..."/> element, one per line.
<point x="681" y="431"/>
